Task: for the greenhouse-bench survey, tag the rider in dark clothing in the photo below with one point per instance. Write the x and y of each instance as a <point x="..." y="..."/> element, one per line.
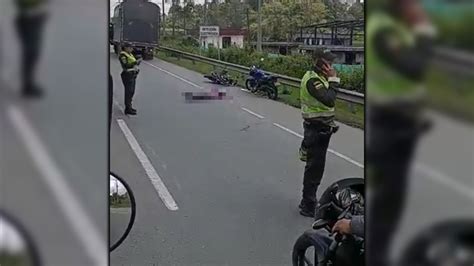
<point x="322" y="239"/>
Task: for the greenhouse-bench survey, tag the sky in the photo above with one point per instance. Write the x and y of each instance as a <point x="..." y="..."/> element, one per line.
<point x="10" y="239"/>
<point x="113" y="186"/>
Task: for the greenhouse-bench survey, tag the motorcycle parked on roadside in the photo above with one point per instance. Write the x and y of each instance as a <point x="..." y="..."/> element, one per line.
<point x="258" y="81"/>
<point x="221" y="78"/>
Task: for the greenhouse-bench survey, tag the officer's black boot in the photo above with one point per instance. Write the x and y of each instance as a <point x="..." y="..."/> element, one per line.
<point x="130" y="111"/>
<point x="32" y="91"/>
<point x="307" y="209"/>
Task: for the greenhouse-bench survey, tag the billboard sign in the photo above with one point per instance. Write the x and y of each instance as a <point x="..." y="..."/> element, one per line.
<point x="207" y="31"/>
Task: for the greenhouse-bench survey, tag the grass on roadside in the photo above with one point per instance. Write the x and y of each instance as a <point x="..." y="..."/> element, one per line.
<point x="450" y="94"/>
<point x="350" y="114"/>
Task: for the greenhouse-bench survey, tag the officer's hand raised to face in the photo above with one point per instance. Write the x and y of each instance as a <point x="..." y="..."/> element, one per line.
<point x="328" y="70"/>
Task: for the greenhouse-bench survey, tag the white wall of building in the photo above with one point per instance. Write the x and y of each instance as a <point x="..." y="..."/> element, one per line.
<point x="216" y="41"/>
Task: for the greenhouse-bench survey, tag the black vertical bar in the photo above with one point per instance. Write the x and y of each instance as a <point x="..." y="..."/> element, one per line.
<point x="352" y="35"/>
<point x="316" y="35"/>
<point x="332" y="35"/>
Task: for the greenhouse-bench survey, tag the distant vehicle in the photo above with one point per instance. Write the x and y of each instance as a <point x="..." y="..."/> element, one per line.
<point x="136" y="22"/>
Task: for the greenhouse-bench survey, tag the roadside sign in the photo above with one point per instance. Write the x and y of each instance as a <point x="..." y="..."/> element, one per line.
<point x="205" y="31"/>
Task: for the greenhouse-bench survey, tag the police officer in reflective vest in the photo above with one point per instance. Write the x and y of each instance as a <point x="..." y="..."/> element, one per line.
<point x="318" y="97"/>
<point x="129" y="75"/>
<point x="29" y="23"/>
<point x="398" y="48"/>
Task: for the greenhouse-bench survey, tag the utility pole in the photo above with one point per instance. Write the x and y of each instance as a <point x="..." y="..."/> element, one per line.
<point x="163" y="20"/>
<point x="259" y="30"/>
<point x="205" y="13"/>
<point x="248" y="29"/>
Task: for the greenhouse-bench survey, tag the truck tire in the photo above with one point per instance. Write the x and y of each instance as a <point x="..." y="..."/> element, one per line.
<point x="117" y="49"/>
<point x="148" y="56"/>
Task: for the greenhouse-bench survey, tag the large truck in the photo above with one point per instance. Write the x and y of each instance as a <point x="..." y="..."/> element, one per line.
<point x="136" y="22"/>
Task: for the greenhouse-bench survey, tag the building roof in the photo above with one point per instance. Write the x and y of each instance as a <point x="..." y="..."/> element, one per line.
<point x="232" y="32"/>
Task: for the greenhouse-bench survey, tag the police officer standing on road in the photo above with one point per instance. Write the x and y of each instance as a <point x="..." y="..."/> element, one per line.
<point x="129" y="75"/>
<point x="318" y="97"/>
<point x="30" y="20"/>
<point x="399" y="44"/>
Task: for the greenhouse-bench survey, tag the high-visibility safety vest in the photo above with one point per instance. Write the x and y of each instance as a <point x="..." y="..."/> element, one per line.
<point x="311" y="107"/>
<point x="131" y="61"/>
<point x="384" y="83"/>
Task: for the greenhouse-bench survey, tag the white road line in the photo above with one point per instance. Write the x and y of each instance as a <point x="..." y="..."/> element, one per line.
<point x="252" y="113"/>
<point x="441" y="178"/>
<point x="155" y="179"/>
<point x="340" y="155"/>
<point x="174" y="75"/>
<point x="288" y="130"/>
<point x="95" y="247"/>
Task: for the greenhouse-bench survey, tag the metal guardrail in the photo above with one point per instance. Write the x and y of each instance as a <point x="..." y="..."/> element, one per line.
<point x="345" y="95"/>
<point x="454" y="61"/>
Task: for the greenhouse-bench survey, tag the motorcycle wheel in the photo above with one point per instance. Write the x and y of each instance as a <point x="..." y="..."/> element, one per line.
<point x="301" y="247"/>
<point x="272" y="92"/>
<point x="248" y="86"/>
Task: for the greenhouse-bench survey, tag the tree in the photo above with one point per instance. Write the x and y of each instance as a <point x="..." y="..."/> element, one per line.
<point x="188" y="14"/>
<point x="282" y="19"/>
<point x="356" y="11"/>
<point x="336" y="10"/>
<point x="173" y="15"/>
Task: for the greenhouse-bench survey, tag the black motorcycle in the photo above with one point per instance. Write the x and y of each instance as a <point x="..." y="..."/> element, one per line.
<point x="258" y="81"/>
<point x="341" y="200"/>
<point x="221" y="78"/>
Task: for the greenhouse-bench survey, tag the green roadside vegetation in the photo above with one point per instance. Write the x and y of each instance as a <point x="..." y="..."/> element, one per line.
<point x="452" y="95"/>
<point x="14" y="259"/>
<point x="122" y="201"/>
<point x="350" y="114"/>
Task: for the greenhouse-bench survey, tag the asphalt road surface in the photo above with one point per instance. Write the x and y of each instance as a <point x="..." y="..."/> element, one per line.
<point x="231" y="168"/>
<point x="53" y="153"/>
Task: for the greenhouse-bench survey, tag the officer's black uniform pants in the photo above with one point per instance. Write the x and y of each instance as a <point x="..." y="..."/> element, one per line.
<point x="390" y="147"/>
<point x="128" y="80"/>
<point x="30" y="32"/>
<point x="315" y="142"/>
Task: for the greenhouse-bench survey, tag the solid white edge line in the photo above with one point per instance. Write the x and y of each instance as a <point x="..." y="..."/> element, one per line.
<point x="155" y="179"/>
<point x="174" y="75"/>
<point x="83" y="227"/>
<point x="444" y="179"/>
<point x="340" y="155"/>
<point x="252" y="113"/>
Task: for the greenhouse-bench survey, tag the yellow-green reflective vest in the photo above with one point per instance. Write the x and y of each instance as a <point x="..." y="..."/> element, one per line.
<point x="131" y="60"/>
<point x="385" y="84"/>
<point x="311" y="107"/>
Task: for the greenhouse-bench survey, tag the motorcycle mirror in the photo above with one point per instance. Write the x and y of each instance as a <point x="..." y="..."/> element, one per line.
<point x="122" y="210"/>
<point x="320" y="223"/>
<point x="16" y="245"/>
